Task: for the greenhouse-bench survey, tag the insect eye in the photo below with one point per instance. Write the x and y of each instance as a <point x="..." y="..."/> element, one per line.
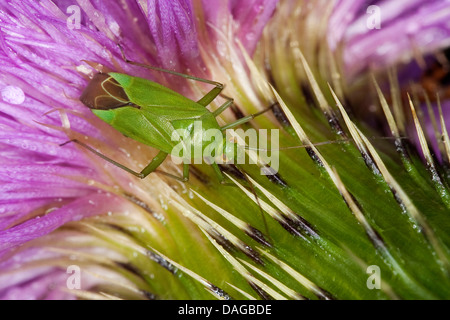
<point x="104" y="93"/>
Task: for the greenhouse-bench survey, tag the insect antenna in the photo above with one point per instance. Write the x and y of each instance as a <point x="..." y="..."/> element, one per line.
<point x="322" y="143"/>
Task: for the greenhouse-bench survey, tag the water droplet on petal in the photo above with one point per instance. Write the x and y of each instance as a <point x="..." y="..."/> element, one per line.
<point x="13" y="95"/>
<point x="250" y="36"/>
<point x="115" y="28"/>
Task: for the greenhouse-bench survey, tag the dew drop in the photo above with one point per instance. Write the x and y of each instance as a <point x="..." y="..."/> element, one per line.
<point x="50" y="210"/>
<point x="221" y="48"/>
<point x="163" y="204"/>
<point x="115" y="28"/>
<point x="250" y="36"/>
<point x="84" y="70"/>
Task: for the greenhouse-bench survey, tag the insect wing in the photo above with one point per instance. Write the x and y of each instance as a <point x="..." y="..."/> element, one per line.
<point x="140" y="125"/>
<point x="157" y="99"/>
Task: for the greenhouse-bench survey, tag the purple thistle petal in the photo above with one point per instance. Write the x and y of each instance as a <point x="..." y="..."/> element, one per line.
<point x="37" y="281"/>
<point x="248" y="18"/>
<point x="251" y="19"/>
<point x="414" y="26"/>
<point x="42" y="287"/>
<point x="84" y="206"/>
<point x="39" y="55"/>
<point x="172" y="27"/>
<point x="408" y="30"/>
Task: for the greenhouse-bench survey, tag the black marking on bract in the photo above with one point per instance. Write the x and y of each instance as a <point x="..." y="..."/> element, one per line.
<point x="257" y="235"/>
<point x="411" y="147"/>
<point x="308" y="95"/>
<point x="219" y="292"/>
<point x="401" y="148"/>
<point x="148" y="295"/>
<point x="335" y="125"/>
<point x="376" y="239"/>
<point x="232" y="170"/>
<point x="312" y="154"/>
<point x="119" y="228"/>
<point x="264" y="295"/>
<point x="290" y="228"/>
<point x="280" y="115"/>
<point x="325" y="295"/>
<point x="303" y="226"/>
<point x="228" y="246"/>
<point x="236" y="111"/>
<point x="356" y="202"/>
<point x="130" y="268"/>
<point x="252" y="254"/>
<point x="399" y="200"/>
<point x="199" y="175"/>
<point x="274" y="176"/>
<point x="368" y="160"/>
<point x="353" y="199"/>
<point x="301" y="297"/>
<point x="162" y="262"/>
<point x="138" y="202"/>
<point x="222" y="240"/>
<point x="397" y="197"/>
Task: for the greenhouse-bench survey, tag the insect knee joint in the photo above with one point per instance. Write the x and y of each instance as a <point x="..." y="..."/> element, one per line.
<point x="67" y="142"/>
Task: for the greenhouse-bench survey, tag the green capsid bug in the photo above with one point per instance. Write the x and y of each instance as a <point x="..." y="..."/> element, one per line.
<point x="149" y="112"/>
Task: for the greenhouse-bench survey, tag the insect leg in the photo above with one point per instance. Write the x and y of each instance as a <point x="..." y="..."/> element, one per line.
<point x="151" y="167"/>
<point x="245" y="119"/>
<point x="155" y="163"/>
<point x="218" y="172"/>
<point x="121" y="166"/>
<point x="223" y="107"/>
<point x="186" y="171"/>
<point x="220" y="175"/>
